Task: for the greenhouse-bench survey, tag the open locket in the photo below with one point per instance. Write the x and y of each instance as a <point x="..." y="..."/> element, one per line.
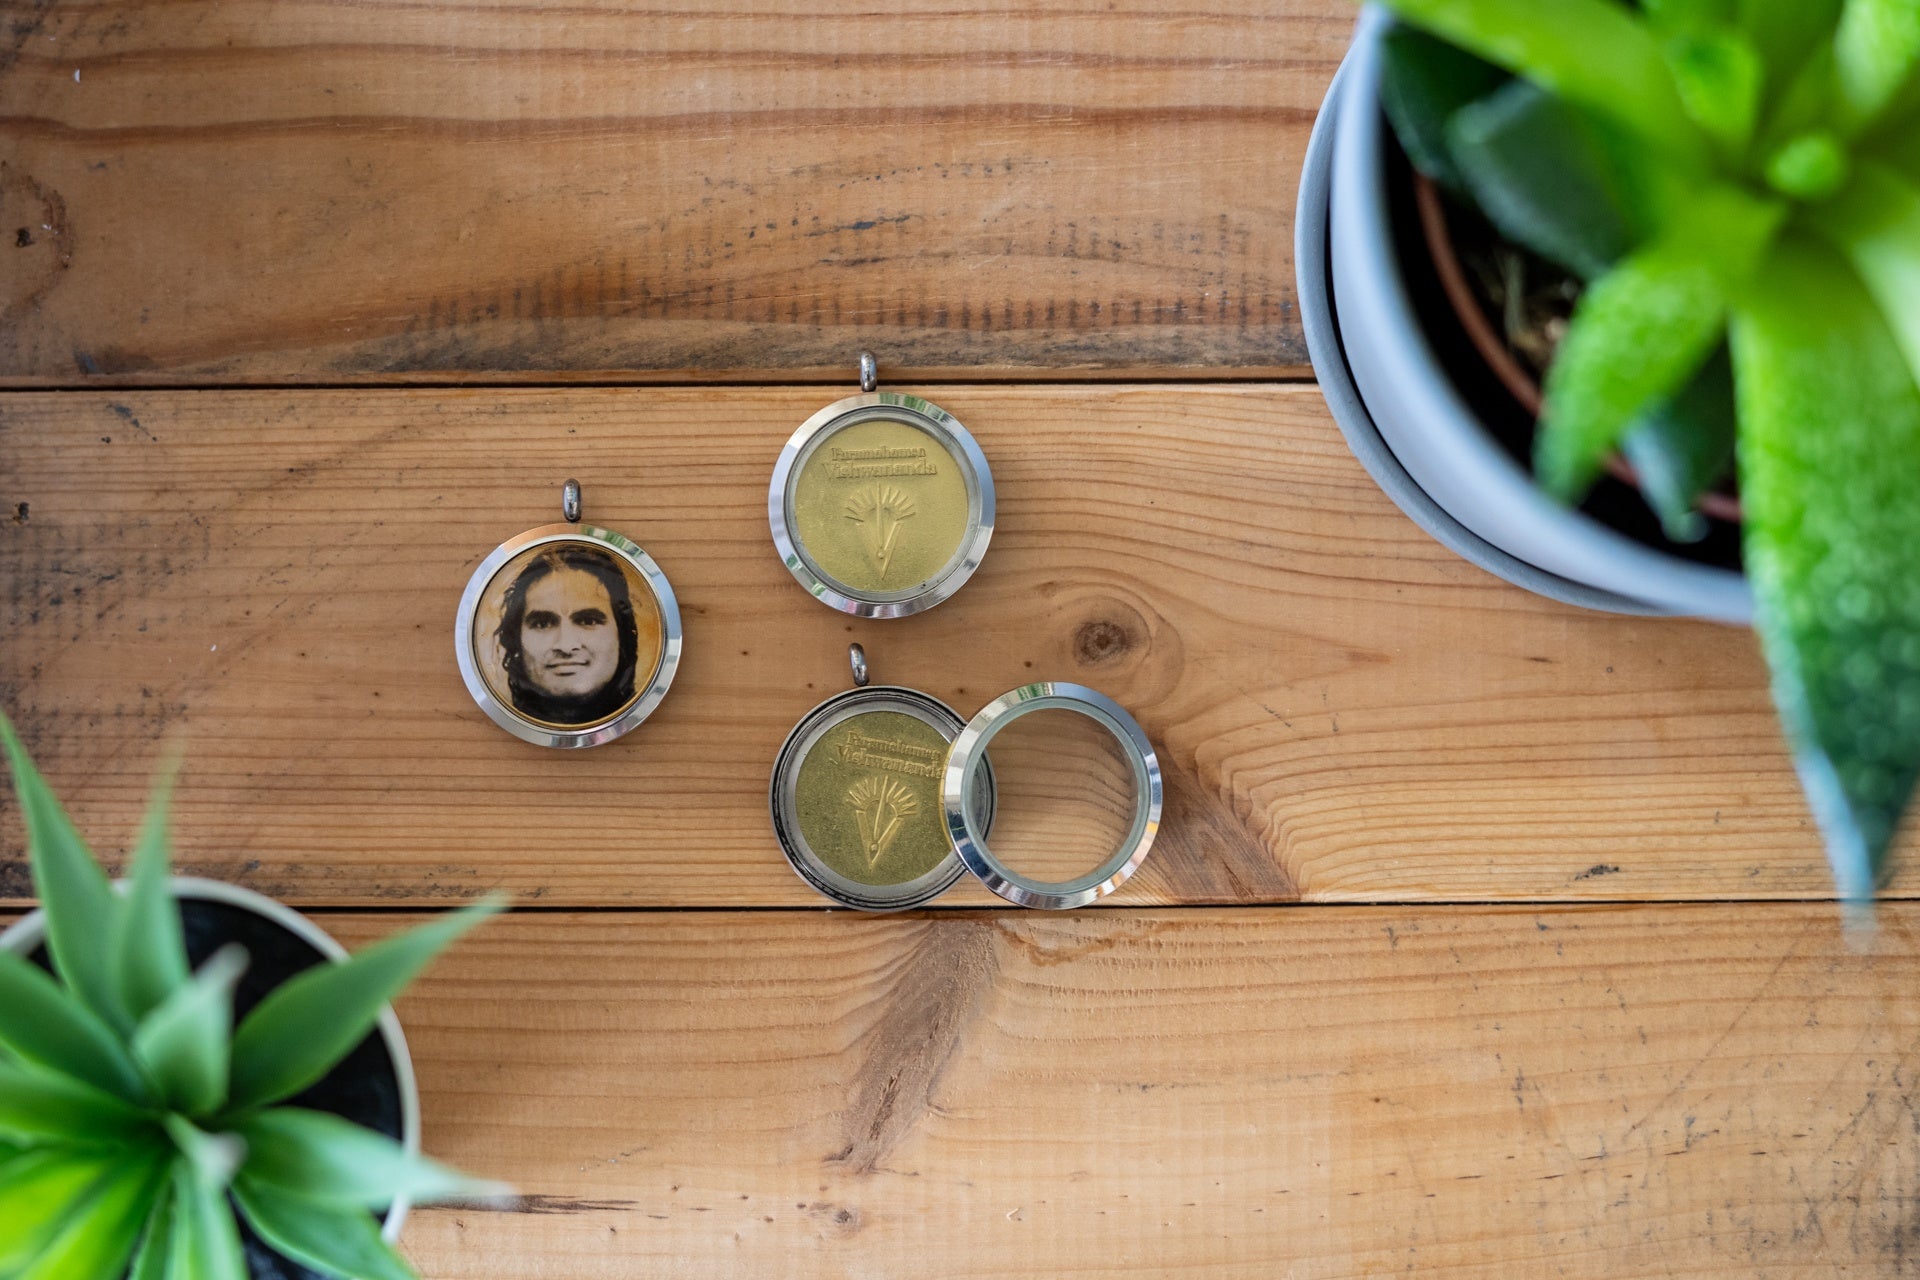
<point x="568" y="635"/>
<point x="882" y="797"/>
<point x="881" y="505"/>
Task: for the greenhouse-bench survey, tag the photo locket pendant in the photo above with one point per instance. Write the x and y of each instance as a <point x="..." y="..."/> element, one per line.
<point x="568" y="635"/>
<point x="882" y="797"/>
<point x="881" y="504"/>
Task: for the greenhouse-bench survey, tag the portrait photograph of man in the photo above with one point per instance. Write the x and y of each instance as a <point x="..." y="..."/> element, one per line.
<point x="567" y="634"/>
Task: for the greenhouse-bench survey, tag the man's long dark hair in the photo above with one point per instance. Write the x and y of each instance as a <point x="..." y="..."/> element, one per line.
<point x="609" y="698"/>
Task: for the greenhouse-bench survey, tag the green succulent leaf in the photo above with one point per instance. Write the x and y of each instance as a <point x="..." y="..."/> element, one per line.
<point x="1595" y="53"/>
<point x="1719" y="77"/>
<point x="1809" y="166"/>
<point x="1875" y="48"/>
<point x="204" y="1241"/>
<point x="1829" y="446"/>
<point x="1423" y="82"/>
<point x="43" y="1192"/>
<point x="341" y="1241"/>
<point x="39" y="1108"/>
<point x="323" y="1157"/>
<point x="1641" y="331"/>
<point x="295" y="1035"/>
<point x="151" y="1258"/>
<point x="1686" y="16"/>
<point x="1684" y="447"/>
<point x="213" y="1157"/>
<point x="1784" y="32"/>
<point x="1877" y="225"/>
<point x="1535" y="168"/>
<point x="184" y="1044"/>
<point x="81" y="906"/>
<point x="150" y="956"/>
<point x="97" y="1241"/>
<point x="44" y="1023"/>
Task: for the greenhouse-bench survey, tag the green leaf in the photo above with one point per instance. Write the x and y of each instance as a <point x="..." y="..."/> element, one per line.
<point x="205" y="1243"/>
<point x="1875" y="48"/>
<point x="213" y="1157"/>
<point x="1719" y="77"/>
<point x="97" y="1241"/>
<point x="1809" y="166"/>
<point x="327" y="1238"/>
<point x="1534" y="167"/>
<point x="1641" y="331"/>
<point x="1687" y="16"/>
<point x="1829" y="446"/>
<point x="323" y="1157"/>
<point x="1877" y="225"/>
<point x="150" y="1260"/>
<point x="43" y="1022"/>
<point x="1684" y="447"/>
<point x="1423" y="82"/>
<point x="1784" y="32"/>
<point x="184" y="1044"/>
<point x="38" y="1108"/>
<point x="150" y="956"/>
<point x="81" y="906"/>
<point x="295" y="1035"/>
<point x="1591" y="52"/>
<point x="43" y="1191"/>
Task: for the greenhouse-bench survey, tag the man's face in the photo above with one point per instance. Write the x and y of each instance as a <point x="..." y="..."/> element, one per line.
<point x="568" y="642"/>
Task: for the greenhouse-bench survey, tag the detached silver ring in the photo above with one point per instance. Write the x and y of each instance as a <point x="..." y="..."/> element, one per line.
<point x="968" y="756"/>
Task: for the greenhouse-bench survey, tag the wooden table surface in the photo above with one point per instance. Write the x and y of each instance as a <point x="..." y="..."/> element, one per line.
<point x="1485" y="936"/>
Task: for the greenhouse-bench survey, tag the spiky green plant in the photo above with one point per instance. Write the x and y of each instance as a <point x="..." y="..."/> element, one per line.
<point x="134" y="1116"/>
<point x="1738" y="184"/>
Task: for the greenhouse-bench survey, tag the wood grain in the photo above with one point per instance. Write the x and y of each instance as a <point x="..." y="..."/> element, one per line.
<point x="1344" y="709"/>
<point x="265" y="190"/>
<point x="1691" y="1091"/>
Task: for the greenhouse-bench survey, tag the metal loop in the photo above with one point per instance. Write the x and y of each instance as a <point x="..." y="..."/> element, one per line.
<point x="869" y="371"/>
<point x="570" y="501"/>
<point x="858" y="657"/>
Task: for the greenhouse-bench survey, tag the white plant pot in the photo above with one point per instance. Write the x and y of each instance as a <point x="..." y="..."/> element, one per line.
<point x="1395" y="401"/>
<point x="26" y="934"/>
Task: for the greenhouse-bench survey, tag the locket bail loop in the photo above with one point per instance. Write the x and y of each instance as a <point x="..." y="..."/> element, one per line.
<point x="570" y="501"/>
<point x="869" y="372"/>
<point x="857" y="658"/>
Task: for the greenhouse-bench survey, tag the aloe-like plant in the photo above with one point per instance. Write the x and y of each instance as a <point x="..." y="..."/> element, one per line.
<point x="135" y="1118"/>
<point x="1737" y="182"/>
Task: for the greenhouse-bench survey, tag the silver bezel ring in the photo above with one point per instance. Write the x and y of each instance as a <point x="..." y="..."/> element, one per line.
<point x="969" y="753"/>
<point x="959" y="444"/>
<point x="546" y="735"/>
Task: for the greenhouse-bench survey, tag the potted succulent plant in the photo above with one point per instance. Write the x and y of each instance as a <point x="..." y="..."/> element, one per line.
<point x="1730" y="190"/>
<point x="248" y="1117"/>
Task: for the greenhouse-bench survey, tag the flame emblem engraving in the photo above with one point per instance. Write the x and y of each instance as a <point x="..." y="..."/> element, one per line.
<point x="881" y="806"/>
<point x="879" y="510"/>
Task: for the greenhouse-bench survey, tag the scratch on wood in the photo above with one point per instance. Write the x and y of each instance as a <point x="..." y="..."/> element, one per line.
<point x="927" y="1013"/>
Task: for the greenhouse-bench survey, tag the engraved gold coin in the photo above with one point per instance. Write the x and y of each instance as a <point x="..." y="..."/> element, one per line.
<point x="868" y="798"/>
<point x="880" y="506"/>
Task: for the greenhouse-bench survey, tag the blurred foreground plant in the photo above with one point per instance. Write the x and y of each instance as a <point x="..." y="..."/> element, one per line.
<point x="135" y="1118"/>
<point x="1738" y="184"/>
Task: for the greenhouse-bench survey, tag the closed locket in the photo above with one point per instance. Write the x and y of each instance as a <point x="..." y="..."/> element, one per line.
<point x="881" y="504"/>
<point x="882" y="797"/>
<point x="568" y="635"/>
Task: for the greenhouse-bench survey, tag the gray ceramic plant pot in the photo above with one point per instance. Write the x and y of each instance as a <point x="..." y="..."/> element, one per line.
<point x="1405" y="418"/>
<point x="27" y="934"/>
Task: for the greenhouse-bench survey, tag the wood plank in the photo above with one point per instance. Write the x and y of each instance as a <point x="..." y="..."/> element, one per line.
<point x="304" y="190"/>
<point x="1345" y="710"/>
<point x="1695" y="1091"/>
